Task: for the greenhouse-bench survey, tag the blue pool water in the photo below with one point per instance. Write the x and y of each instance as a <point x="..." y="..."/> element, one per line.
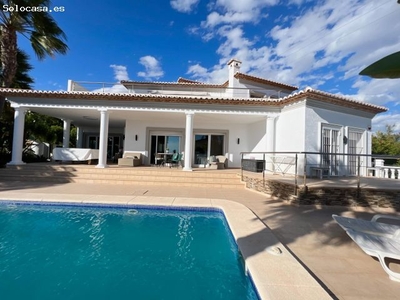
<point x="67" y="252"/>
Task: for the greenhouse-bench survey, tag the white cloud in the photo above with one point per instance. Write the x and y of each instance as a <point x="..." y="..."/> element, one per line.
<point x="214" y="18"/>
<point x="116" y="88"/>
<point x="120" y="72"/>
<point x="344" y="35"/>
<point x="380" y="121"/>
<point x="378" y="91"/>
<point x="244" y="5"/>
<point x="234" y="41"/>
<point x="217" y="74"/>
<point x="234" y="12"/>
<point x="184" y="6"/>
<point x="197" y="70"/>
<point x="323" y="42"/>
<point x="152" y="66"/>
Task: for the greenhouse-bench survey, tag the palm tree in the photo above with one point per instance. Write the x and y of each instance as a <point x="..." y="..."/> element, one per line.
<point x="39" y="27"/>
<point x="22" y="80"/>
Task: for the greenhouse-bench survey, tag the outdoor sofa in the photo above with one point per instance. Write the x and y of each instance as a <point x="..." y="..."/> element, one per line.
<point x="130" y="159"/>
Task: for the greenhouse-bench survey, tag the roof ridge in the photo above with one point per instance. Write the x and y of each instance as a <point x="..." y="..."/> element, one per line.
<point x="310" y="90"/>
<point x="185" y="80"/>
<point x="250" y="77"/>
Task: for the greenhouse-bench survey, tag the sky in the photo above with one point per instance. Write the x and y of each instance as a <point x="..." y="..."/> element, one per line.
<point x="305" y="43"/>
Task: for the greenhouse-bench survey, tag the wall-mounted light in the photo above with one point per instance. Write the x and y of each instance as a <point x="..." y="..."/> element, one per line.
<point x="136" y="137"/>
<point x="238" y="141"/>
<point x="345" y="140"/>
<point x="369" y="128"/>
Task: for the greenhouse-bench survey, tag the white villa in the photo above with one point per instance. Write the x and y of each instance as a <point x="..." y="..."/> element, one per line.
<point x="243" y="114"/>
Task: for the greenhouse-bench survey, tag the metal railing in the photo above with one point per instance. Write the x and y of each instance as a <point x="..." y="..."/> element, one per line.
<point x="173" y="89"/>
<point x="320" y="165"/>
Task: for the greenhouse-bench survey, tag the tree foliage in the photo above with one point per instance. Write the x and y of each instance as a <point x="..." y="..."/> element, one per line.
<point x="21" y="80"/>
<point x="386" y="143"/>
<point x="38" y="127"/>
<point x="45" y="36"/>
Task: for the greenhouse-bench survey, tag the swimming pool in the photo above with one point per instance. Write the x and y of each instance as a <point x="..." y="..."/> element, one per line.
<point x="77" y="252"/>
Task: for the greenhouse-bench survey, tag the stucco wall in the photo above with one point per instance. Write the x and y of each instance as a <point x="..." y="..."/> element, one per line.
<point x="256" y="136"/>
<point x="233" y="133"/>
<point x="290" y="129"/>
<point x="316" y="116"/>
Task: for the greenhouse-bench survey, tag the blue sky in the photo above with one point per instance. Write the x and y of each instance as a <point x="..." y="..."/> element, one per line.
<point x="321" y="44"/>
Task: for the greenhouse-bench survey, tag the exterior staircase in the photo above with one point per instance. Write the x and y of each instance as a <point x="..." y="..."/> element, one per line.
<point x="59" y="173"/>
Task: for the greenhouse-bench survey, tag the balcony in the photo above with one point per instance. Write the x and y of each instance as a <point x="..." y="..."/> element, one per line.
<point x="173" y="89"/>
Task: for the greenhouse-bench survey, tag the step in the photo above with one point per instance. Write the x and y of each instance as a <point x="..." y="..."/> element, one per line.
<point x="132" y="176"/>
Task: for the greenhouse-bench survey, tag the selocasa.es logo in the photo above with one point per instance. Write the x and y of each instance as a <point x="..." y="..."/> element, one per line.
<point x="32" y="9"/>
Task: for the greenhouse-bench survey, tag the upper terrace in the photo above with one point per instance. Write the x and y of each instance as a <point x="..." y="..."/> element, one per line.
<point x="238" y="85"/>
<point x="176" y="89"/>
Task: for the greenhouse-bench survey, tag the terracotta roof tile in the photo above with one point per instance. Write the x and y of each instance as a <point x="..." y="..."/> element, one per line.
<point x="295" y="97"/>
<point x="180" y="83"/>
<point x="332" y="98"/>
<point x="185" y="80"/>
<point x="239" y="75"/>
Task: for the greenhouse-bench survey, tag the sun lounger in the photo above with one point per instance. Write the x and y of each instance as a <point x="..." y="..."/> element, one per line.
<point x="378" y="246"/>
<point x="370" y="227"/>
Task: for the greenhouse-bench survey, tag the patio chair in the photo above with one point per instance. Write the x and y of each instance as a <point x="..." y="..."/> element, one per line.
<point x="370" y="227"/>
<point x="158" y="159"/>
<point x="217" y="162"/>
<point x="378" y="246"/>
<point x="176" y="160"/>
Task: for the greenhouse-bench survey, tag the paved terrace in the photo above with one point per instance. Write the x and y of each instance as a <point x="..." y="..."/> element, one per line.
<point x="308" y="232"/>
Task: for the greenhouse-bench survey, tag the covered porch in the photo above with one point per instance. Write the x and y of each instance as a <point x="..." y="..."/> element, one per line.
<point x="197" y="133"/>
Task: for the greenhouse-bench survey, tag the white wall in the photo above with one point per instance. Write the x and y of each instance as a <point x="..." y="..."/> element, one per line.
<point x="233" y="149"/>
<point x="315" y="116"/>
<point x="290" y="129"/>
<point x="237" y="131"/>
<point x="133" y="128"/>
<point x="257" y="140"/>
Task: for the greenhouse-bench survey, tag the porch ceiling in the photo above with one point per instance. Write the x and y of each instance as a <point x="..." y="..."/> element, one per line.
<point x="91" y="118"/>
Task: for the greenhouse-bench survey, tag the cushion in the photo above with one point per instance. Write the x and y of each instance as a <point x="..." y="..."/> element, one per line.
<point x="132" y="154"/>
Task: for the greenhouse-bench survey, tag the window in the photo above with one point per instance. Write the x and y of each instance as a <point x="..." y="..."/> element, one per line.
<point x="163" y="144"/>
<point x="329" y="146"/>
<point x="355" y="146"/>
<point x="206" y="145"/>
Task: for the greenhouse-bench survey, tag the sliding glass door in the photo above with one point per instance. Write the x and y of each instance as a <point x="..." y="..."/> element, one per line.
<point x="114" y="142"/>
<point x="164" y="144"/>
<point x="206" y="145"/>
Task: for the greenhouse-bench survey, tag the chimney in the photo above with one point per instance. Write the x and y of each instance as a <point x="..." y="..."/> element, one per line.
<point x="234" y="67"/>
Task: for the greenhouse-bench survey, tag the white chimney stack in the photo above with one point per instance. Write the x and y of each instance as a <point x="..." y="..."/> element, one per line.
<point x="234" y="85"/>
<point x="234" y="67"/>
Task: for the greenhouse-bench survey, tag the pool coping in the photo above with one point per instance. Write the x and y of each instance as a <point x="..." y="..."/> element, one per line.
<point x="274" y="271"/>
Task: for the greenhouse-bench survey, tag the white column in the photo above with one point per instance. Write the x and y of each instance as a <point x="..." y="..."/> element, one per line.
<point x="66" y="133"/>
<point x="103" y="139"/>
<point x="18" y="138"/>
<point x="79" y="137"/>
<point x="368" y="147"/>
<point x="188" y="141"/>
<point x="270" y="139"/>
<point x="270" y="132"/>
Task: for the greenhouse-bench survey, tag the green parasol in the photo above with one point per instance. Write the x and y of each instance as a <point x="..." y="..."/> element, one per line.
<point x="387" y="67"/>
